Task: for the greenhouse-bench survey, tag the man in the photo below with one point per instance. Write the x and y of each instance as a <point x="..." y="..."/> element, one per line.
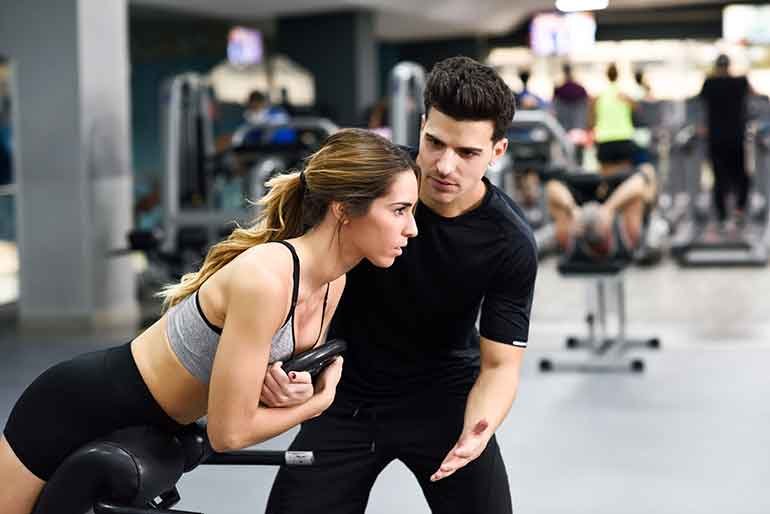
<point x="264" y="123"/>
<point x="259" y="110"/>
<point x="725" y="100"/>
<point x="419" y="383"/>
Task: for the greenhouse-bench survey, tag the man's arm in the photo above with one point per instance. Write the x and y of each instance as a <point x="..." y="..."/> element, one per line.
<point x="504" y="317"/>
<point x="495" y="389"/>
<point x="488" y="403"/>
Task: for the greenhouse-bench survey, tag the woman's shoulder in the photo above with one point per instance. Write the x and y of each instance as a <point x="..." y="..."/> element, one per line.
<point x="262" y="268"/>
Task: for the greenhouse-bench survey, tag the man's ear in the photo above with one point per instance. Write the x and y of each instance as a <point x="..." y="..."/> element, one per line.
<point x="499" y="148"/>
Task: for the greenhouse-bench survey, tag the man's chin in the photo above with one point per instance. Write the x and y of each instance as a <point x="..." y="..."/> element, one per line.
<point x="436" y="197"/>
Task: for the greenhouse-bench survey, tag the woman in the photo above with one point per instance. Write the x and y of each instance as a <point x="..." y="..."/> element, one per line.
<point x="251" y="303"/>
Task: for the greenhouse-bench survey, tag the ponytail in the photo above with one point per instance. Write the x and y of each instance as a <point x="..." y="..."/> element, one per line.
<point x="280" y="218"/>
<point x="353" y="167"/>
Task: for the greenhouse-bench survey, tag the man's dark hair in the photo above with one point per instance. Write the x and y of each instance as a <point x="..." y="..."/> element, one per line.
<point x="466" y="90"/>
<point x="722" y="61"/>
<point x="256" y="97"/>
<point x="612" y="72"/>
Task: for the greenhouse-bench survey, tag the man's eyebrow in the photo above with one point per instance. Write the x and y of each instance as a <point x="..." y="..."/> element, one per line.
<point x="462" y="148"/>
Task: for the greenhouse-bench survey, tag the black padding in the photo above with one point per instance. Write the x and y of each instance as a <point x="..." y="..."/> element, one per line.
<point x="130" y="467"/>
<point x="195" y="445"/>
<point x="194" y="238"/>
<point x="145" y="240"/>
<point x="314" y="361"/>
<point x="575" y="267"/>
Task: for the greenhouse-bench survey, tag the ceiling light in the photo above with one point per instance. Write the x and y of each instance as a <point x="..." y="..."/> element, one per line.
<point x="581" y="5"/>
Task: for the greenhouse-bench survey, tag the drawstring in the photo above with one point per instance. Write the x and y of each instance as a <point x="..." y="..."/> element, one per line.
<point x="372" y="427"/>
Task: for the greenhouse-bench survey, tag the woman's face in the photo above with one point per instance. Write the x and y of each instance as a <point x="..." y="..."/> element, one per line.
<point x="381" y="233"/>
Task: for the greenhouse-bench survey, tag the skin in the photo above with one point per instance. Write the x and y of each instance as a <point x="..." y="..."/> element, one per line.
<point x="454" y="156"/>
<point x="260" y="276"/>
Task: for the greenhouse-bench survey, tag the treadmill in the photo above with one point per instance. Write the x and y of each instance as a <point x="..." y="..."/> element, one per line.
<point x="699" y="242"/>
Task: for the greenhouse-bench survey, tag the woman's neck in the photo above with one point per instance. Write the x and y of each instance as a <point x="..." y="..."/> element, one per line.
<point x="322" y="255"/>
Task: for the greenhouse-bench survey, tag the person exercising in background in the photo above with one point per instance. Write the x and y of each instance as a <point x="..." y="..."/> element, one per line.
<point x="261" y="296"/>
<point x="725" y="100"/>
<point x="265" y="123"/>
<point x="610" y="116"/>
<point x="526" y="99"/>
<point x="259" y="110"/>
<point x="598" y="217"/>
<point x="421" y="384"/>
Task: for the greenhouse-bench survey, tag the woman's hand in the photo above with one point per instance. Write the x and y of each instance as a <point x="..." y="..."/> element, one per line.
<point x="282" y="390"/>
<point x="326" y="383"/>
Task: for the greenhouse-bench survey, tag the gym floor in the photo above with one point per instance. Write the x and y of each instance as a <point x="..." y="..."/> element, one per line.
<point x="688" y="435"/>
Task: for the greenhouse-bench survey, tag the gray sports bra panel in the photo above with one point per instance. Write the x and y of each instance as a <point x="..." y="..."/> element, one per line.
<point x="194" y="339"/>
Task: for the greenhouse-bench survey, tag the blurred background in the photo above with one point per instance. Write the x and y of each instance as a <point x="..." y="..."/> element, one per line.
<point x="135" y="133"/>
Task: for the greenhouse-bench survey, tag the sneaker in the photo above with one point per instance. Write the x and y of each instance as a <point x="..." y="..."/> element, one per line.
<point x="740" y="220"/>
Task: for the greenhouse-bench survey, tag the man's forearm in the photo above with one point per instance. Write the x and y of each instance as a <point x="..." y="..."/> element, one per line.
<point x="492" y="396"/>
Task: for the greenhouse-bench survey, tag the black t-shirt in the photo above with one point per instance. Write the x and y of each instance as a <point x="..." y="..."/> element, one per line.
<point x="725" y="101"/>
<point x="413" y="326"/>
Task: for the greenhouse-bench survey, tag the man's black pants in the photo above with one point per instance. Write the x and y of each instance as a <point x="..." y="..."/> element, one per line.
<point x="353" y="445"/>
<point x="728" y="163"/>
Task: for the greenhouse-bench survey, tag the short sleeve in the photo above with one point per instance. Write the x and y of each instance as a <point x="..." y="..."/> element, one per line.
<point x="507" y="303"/>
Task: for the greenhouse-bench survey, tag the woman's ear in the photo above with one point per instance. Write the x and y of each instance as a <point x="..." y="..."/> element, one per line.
<point x="338" y="211"/>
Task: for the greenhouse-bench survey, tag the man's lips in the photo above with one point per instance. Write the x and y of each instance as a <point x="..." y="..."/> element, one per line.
<point x="441" y="182"/>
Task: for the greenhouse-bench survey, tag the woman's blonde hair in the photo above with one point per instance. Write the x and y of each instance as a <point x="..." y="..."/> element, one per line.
<point x="352" y="167"/>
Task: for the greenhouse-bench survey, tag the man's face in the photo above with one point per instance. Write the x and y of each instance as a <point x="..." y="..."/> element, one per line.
<point x="454" y="156"/>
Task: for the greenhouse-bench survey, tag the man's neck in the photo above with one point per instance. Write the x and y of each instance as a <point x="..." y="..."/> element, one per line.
<point x="466" y="203"/>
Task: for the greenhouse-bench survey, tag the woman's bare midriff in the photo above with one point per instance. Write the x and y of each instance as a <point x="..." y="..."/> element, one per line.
<point x="182" y="396"/>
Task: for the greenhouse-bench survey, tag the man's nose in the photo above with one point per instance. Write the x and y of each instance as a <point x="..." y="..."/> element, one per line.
<point x="446" y="163"/>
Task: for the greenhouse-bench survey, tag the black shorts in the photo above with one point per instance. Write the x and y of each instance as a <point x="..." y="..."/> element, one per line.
<point x="76" y="402"/>
<point x="616" y="151"/>
<point x="353" y="444"/>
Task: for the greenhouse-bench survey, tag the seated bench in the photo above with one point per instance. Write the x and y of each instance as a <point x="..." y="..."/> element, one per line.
<point x="604" y="278"/>
<point x="135" y="471"/>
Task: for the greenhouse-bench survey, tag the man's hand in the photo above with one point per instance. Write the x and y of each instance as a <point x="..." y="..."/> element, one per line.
<point x="282" y="390"/>
<point x="470" y="445"/>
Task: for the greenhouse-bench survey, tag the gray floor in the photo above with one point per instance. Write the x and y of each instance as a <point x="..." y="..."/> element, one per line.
<point x="689" y="435"/>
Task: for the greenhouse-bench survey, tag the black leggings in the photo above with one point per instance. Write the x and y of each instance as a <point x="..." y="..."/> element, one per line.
<point x="727" y="161"/>
<point x="353" y="445"/>
<point x="78" y="401"/>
